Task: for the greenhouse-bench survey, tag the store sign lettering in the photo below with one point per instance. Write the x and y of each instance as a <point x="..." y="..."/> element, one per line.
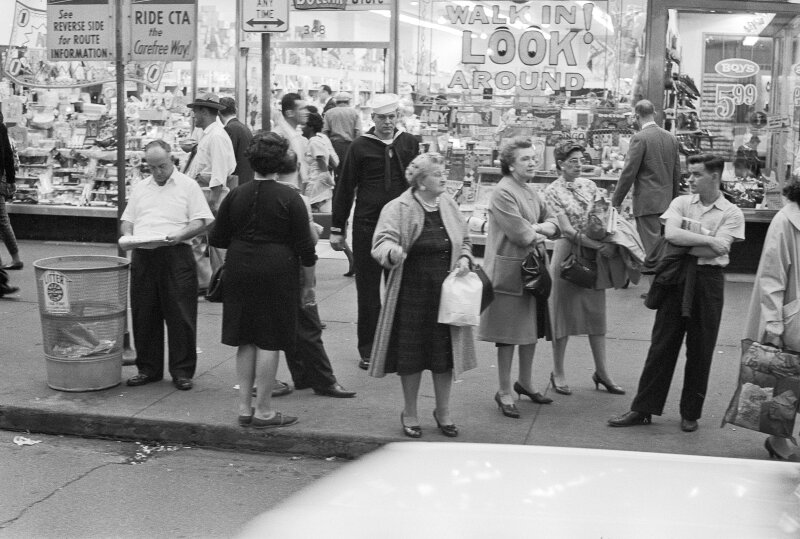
<point x="340" y="5"/>
<point x="796" y="69"/>
<point x="552" y="51"/>
<point x="736" y="68"/>
<point x="163" y="30"/>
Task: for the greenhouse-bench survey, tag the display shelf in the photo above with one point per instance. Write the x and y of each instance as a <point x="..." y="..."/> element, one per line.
<point x="62" y="210"/>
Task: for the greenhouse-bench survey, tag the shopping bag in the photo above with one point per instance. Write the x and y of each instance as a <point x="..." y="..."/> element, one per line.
<point x="487" y="296"/>
<point x="601" y="220"/>
<point x="460" y="302"/>
<point x="768" y="393"/>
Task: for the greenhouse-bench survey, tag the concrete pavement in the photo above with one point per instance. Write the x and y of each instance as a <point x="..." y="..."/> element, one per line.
<point x="206" y="415"/>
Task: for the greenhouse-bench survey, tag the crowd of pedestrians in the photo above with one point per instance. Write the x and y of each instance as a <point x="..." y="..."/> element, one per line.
<point x="408" y="236"/>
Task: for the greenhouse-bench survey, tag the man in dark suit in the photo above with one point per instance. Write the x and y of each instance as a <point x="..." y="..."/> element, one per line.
<point x="326" y="98"/>
<point x="653" y="169"/>
<point x="240" y="137"/>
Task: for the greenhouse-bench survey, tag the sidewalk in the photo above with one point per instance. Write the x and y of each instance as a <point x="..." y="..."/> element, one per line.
<point x="206" y="415"/>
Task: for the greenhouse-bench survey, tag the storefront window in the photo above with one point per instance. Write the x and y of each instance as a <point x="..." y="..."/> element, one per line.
<point x="731" y="91"/>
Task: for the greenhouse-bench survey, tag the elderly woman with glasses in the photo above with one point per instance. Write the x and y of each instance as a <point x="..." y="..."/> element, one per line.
<point x="421" y="237"/>
<point x="576" y="310"/>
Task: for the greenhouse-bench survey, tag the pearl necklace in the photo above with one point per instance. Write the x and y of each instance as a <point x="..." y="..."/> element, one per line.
<point x="434" y="206"/>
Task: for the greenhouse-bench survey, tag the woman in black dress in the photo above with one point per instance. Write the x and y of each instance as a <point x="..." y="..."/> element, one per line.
<point x="421" y="236"/>
<point x="264" y="226"/>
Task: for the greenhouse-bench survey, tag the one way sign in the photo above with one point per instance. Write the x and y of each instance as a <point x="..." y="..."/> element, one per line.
<point x="265" y="15"/>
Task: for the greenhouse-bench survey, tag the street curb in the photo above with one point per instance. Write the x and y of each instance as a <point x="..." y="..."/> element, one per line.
<point x="283" y="440"/>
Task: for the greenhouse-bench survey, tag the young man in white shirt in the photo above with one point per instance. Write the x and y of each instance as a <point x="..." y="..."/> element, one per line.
<point x="168" y="205"/>
<point x="720" y="224"/>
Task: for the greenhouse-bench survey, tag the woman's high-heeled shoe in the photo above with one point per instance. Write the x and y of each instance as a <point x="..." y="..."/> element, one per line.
<point x="412" y="431"/>
<point x="509" y="410"/>
<point x="614" y="389"/>
<point x="536" y="397"/>
<point x="561" y="390"/>
<point x="450" y="430"/>
<point x="245" y="420"/>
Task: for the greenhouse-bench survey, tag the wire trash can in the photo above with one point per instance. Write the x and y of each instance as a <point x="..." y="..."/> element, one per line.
<point x="83" y="302"/>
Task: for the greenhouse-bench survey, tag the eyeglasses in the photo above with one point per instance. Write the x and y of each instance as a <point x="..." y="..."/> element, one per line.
<point x="385" y="117"/>
<point x="576" y="161"/>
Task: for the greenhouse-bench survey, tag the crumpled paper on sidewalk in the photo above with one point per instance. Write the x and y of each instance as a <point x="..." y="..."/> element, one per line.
<point x="22" y="440"/>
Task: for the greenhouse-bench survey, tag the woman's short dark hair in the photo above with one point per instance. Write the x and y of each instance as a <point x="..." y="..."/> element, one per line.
<point x="508" y="152"/>
<point x="314" y="122"/>
<point x="564" y="148"/>
<point x="792" y="190"/>
<point x="289" y="163"/>
<point x="267" y="152"/>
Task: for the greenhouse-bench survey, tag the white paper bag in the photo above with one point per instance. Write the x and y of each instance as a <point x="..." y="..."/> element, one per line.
<point x="460" y="303"/>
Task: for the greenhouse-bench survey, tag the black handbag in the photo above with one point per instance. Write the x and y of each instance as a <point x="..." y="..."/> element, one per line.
<point x="577" y="269"/>
<point x="488" y="290"/>
<point x="536" y="278"/>
<point x="215" y="286"/>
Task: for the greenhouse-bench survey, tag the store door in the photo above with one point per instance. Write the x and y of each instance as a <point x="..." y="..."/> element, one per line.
<point x="302" y="67"/>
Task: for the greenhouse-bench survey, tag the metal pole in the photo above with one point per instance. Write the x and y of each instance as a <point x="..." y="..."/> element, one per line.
<point x="394" y="46"/>
<point x="121" y="125"/>
<point x="266" y="83"/>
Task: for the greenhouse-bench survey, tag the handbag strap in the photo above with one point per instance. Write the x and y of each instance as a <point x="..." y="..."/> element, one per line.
<point x="579" y="251"/>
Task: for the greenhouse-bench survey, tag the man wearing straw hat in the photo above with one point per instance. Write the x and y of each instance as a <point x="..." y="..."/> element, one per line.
<point x="374" y="167"/>
<point x="214" y="161"/>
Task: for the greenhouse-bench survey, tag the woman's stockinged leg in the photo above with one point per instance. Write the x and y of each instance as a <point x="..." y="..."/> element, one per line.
<point x="410" y="384"/>
<point x="266" y="367"/>
<point x="245" y="374"/>
<point x="526" y="353"/>
<point x="598" y="344"/>
<point x="559" y="351"/>
<point x="442" y="383"/>
<point x="505" y="356"/>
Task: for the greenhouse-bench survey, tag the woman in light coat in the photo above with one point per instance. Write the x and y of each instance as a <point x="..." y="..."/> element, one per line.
<point x="774" y="313"/>
<point x="519" y="222"/>
<point x="421" y="237"/>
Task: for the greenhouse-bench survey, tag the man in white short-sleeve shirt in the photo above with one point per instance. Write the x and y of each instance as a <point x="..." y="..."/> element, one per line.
<point x="707" y="224"/>
<point x="170" y="208"/>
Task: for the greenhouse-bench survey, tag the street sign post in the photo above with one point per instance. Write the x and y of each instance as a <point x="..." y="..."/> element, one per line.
<point x="265" y="15"/>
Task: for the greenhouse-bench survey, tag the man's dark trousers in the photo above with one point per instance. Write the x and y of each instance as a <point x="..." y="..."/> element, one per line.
<point x="368" y="286"/>
<point x="164" y="290"/>
<point x="307" y="361"/>
<point x="701" y="332"/>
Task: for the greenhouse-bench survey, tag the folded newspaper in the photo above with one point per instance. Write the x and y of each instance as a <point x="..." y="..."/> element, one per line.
<point x="148" y="242"/>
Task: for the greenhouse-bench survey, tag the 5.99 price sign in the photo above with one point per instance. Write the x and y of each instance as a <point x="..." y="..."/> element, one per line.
<point x="728" y="96"/>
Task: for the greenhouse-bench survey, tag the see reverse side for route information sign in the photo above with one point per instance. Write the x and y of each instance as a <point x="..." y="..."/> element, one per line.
<point x="265" y="15"/>
<point x="80" y="30"/>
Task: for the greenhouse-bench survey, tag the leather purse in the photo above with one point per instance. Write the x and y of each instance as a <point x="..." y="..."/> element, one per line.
<point x="577" y="269"/>
<point x="215" y="286"/>
<point x="536" y="278"/>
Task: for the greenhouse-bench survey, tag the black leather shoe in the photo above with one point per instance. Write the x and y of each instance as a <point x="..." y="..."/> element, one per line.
<point x="412" y="431"/>
<point x="451" y="431"/>
<point x="281" y="389"/>
<point x="9" y="290"/>
<point x="184" y="384"/>
<point x="630" y="419"/>
<point x="141" y="379"/>
<point x="688" y="425"/>
<point x="536" y="397"/>
<point x="334" y="390"/>
<point x="363" y="364"/>
<point x="509" y="410"/>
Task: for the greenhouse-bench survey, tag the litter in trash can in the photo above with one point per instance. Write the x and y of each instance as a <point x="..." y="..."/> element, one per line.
<point x="80" y="341"/>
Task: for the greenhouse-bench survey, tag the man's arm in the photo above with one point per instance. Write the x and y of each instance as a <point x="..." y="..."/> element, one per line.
<point x="191" y="230"/>
<point x="629" y="171"/>
<point x="702" y="245"/>
<point x="344" y="194"/>
<point x="126" y="228"/>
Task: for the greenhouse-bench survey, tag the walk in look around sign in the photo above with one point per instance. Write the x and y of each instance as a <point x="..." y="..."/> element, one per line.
<point x="80" y="30"/>
<point x="265" y="15"/>
<point x="163" y="30"/>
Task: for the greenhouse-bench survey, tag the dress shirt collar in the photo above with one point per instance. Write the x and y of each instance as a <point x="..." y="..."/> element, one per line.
<point x="721" y="203"/>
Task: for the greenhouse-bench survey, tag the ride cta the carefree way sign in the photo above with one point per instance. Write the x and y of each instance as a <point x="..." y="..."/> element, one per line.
<point x="163" y="30"/>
